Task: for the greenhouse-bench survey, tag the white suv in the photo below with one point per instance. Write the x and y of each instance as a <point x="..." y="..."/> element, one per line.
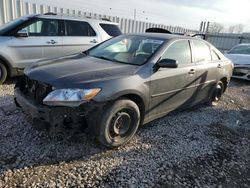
<point x="35" y="37"/>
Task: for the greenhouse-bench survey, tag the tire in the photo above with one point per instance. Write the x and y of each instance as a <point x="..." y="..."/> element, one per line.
<point x="217" y="93"/>
<point x="118" y="123"/>
<point x="3" y="73"/>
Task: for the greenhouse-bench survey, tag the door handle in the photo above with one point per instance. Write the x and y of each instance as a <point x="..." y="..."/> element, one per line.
<point x="93" y="41"/>
<point x="51" y="42"/>
<point x="219" y="66"/>
<point x="192" y="71"/>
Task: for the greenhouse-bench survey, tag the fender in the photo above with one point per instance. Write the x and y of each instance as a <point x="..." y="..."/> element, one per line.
<point x="144" y="98"/>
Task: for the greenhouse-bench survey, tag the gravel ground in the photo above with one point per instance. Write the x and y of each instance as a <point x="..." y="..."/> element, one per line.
<point x="201" y="147"/>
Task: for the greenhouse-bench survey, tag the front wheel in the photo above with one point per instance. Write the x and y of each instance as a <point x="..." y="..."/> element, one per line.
<point x="3" y="73"/>
<point x="217" y="93"/>
<point x="118" y="124"/>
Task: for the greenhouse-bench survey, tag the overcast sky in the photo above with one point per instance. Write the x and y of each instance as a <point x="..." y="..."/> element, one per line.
<point x="185" y="13"/>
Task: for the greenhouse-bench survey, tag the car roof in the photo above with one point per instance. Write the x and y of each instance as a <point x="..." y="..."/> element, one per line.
<point x="74" y="17"/>
<point x="164" y="36"/>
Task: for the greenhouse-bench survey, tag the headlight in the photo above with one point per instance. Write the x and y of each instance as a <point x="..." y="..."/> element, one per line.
<point x="70" y="97"/>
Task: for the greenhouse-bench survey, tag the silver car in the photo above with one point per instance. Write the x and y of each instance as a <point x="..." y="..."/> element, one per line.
<point x="240" y="56"/>
<point x="32" y="38"/>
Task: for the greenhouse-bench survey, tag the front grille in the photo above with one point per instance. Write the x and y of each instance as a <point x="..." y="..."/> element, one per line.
<point x="34" y="89"/>
<point x="238" y="74"/>
<point x="241" y="71"/>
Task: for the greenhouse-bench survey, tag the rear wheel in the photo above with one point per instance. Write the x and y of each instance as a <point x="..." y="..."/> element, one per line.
<point x="118" y="123"/>
<point x="217" y="93"/>
<point x="3" y="73"/>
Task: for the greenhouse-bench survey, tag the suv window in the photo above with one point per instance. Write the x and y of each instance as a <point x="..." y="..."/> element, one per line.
<point x="202" y="51"/>
<point x="78" y="28"/>
<point x="111" y="30"/>
<point x="43" y="27"/>
<point x="179" y="51"/>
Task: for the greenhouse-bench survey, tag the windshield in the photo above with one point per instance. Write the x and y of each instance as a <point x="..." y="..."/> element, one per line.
<point x="242" y="49"/>
<point x="12" y="24"/>
<point x="129" y="49"/>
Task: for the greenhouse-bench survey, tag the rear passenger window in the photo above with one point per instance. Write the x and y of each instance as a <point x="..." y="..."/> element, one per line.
<point x="215" y="56"/>
<point x="179" y="51"/>
<point x="202" y="51"/>
<point x="79" y="28"/>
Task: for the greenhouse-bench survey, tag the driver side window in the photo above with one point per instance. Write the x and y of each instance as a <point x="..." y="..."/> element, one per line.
<point x="43" y="27"/>
<point x="179" y="51"/>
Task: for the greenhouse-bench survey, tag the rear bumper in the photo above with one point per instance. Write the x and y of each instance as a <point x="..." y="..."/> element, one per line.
<point x="45" y="117"/>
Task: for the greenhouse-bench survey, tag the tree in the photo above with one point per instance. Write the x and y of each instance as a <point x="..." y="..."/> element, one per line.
<point x="231" y="29"/>
<point x="238" y="28"/>
<point x="215" y="27"/>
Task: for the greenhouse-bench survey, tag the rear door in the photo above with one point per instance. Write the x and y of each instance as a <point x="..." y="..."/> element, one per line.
<point x="169" y="86"/>
<point x="208" y="69"/>
<point x="79" y="36"/>
<point x="44" y="41"/>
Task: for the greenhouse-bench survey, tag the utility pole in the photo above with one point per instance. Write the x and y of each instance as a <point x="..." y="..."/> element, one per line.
<point x="208" y="24"/>
<point x="135" y="14"/>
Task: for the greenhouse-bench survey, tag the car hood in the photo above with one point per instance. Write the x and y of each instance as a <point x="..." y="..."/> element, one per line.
<point x="4" y="39"/>
<point x="239" y="59"/>
<point x="77" y="70"/>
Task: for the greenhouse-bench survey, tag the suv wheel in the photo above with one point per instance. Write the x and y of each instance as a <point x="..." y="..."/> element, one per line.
<point x="217" y="93"/>
<point x="3" y="73"/>
<point x="118" y="123"/>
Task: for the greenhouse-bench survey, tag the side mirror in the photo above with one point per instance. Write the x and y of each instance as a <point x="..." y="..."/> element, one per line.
<point x="167" y="63"/>
<point x="22" y="33"/>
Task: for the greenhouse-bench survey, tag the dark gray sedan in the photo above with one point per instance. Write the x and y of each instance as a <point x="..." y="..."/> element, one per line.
<point x="122" y="83"/>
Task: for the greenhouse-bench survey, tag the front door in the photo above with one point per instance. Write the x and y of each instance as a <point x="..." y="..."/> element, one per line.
<point x="44" y="41"/>
<point x="169" y="86"/>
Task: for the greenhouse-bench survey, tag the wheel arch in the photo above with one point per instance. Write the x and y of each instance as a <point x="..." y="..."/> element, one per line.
<point x="138" y="100"/>
<point x="225" y="82"/>
<point x="6" y="64"/>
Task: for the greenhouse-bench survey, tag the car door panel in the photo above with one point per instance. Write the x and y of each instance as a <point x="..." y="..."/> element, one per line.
<point x="52" y="47"/>
<point x="207" y="71"/>
<point x="26" y="50"/>
<point x="206" y="79"/>
<point x="72" y="45"/>
<point x="169" y="89"/>
<point x="169" y="86"/>
<point x="38" y="45"/>
<point x="79" y="36"/>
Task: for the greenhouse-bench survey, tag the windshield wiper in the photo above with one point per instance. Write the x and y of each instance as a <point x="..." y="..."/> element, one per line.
<point x="103" y="57"/>
<point x="86" y="52"/>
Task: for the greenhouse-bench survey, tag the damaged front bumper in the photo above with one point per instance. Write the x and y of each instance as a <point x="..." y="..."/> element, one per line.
<point x="52" y="118"/>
